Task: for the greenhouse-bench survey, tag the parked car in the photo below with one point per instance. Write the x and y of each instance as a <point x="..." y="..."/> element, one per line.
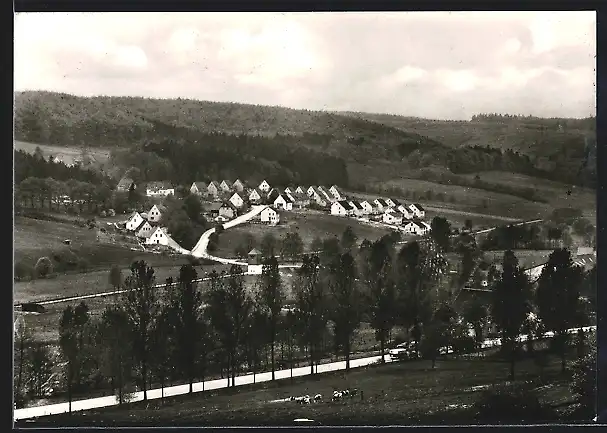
<point x="403" y="351"/>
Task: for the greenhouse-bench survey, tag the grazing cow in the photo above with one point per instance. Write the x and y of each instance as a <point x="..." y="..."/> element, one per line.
<point x="337" y="395"/>
<point x="317" y="397"/>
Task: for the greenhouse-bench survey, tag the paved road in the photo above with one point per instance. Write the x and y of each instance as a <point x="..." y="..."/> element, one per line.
<point x="100" y="402"/>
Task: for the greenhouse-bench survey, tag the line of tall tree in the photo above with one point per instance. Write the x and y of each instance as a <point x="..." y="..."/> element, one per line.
<point x="189" y="331"/>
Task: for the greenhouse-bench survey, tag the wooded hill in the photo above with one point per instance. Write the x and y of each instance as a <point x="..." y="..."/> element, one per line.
<point x="555" y="149"/>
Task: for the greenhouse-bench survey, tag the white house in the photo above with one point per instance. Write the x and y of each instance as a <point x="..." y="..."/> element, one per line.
<point x="155" y="214"/>
<point x="367" y="207"/>
<point x="158" y="237"/>
<point x="299" y="190"/>
<point x="380" y="204"/>
<point x="144" y="230"/>
<point x="415" y="228"/>
<point x="311" y="191"/>
<point x="300" y="200"/>
<point x="341" y="208"/>
<point x="288" y="190"/>
<point x="238" y="185"/>
<point x="327" y="196"/>
<point x="156" y="189"/>
<point x="269" y="216"/>
<point x="290" y="194"/>
<point x="134" y="221"/>
<point x="284" y="202"/>
<point x="225" y="186"/>
<point x="391" y="217"/>
<point x="336" y="193"/>
<point x="125" y="184"/>
<point x="407" y="213"/>
<point x="417" y="210"/>
<point x="264" y="186"/>
<point x="390" y="202"/>
<point x="198" y="188"/>
<point x="237" y="200"/>
<point x="356" y="208"/>
<point x="254" y="195"/>
<point x="213" y="188"/>
<point x="227" y="210"/>
<point x="314" y="195"/>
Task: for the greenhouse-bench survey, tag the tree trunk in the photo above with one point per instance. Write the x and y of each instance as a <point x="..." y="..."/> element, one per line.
<point x="381" y="347"/>
<point x="144" y="377"/>
<point x="348" y="354"/>
<point x="433" y="361"/>
<point x="69" y="387"/>
<point x="120" y="368"/>
<point x="311" y="360"/>
<point x="272" y="349"/>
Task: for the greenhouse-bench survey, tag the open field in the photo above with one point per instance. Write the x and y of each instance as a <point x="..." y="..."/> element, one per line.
<point x="309" y="225"/>
<point x="66" y="154"/>
<point x="396" y="393"/>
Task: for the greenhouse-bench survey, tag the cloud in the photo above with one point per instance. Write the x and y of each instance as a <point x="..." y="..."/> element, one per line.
<point x="439" y="64"/>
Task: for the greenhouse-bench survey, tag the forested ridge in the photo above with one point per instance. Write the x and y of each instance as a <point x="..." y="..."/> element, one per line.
<point x="305" y="146"/>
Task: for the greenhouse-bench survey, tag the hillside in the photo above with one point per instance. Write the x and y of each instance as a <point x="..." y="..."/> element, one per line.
<point x="530" y="135"/>
<point x="61" y="119"/>
<point x="555" y="149"/>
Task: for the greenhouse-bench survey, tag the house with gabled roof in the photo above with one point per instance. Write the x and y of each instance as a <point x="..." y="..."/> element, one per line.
<point x="125" y="184"/>
<point x="395" y="203"/>
<point x="327" y="196"/>
<point x="237" y="200"/>
<point x="380" y="204"/>
<point x="198" y="188"/>
<point x="155" y="213"/>
<point x="144" y="230"/>
<point x="367" y="207"/>
<point x="272" y="195"/>
<point x="264" y="186"/>
<point x="212" y="209"/>
<point x="336" y="192"/>
<point x="390" y="216"/>
<point x="311" y="191"/>
<point x="213" y="188"/>
<point x="255" y="195"/>
<point x="269" y="216"/>
<point x="357" y="209"/>
<point x="407" y="213"/>
<point x="288" y="189"/>
<point x="228" y="210"/>
<point x="389" y="202"/>
<point x="159" y="236"/>
<point x="300" y="200"/>
<point x="415" y="228"/>
<point x="317" y="198"/>
<point x="300" y="190"/>
<point x="238" y="185"/>
<point x="283" y="201"/>
<point x="417" y="210"/>
<point x="156" y="189"/>
<point x="341" y="208"/>
<point x="134" y="221"/>
<point x="225" y="186"/>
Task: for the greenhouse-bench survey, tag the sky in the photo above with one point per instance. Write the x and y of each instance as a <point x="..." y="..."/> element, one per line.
<point x="440" y="65"/>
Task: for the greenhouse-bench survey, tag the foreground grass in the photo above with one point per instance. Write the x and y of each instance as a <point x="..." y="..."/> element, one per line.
<point x="401" y="393"/>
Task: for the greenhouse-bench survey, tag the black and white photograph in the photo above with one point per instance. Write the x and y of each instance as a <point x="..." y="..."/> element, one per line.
<point x="304" y="219"/>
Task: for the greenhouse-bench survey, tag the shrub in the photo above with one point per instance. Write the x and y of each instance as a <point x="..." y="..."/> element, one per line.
<point x="517" y="404"/>
<point x="194" y="261"/>
<point x="44" y="267"/>
<point x="22" y="271"/>
<point x="584" y="374"/>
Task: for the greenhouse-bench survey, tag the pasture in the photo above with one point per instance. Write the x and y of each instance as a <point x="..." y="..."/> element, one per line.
<point x="65" y="154"/>
<point x="309" y="224"/>
<point x="409" y="393"/>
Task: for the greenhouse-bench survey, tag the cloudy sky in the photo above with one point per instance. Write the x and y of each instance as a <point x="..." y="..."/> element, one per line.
<point x="429" y="64"/>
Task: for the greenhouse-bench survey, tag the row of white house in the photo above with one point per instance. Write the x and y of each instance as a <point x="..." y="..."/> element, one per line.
<point x="145" y="226"/>
<point x="377" y="206"/>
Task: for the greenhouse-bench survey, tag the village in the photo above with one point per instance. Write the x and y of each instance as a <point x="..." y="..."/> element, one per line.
<point x="224" y="201"/>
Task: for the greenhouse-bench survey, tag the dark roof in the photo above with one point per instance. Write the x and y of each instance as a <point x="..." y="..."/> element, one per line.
<point x="396" y="202"/>
<point x="228" y="204"/>
<point x="211" y="206"/>
<point x="382" y="202"/>
<point x="200" y="185"/>
<point x="213" y="183"/>
<point x="419" y="206"/>
<point x="355" y="204"/>
<point x="286" y="198"/>
<point x="345" y="204"/>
